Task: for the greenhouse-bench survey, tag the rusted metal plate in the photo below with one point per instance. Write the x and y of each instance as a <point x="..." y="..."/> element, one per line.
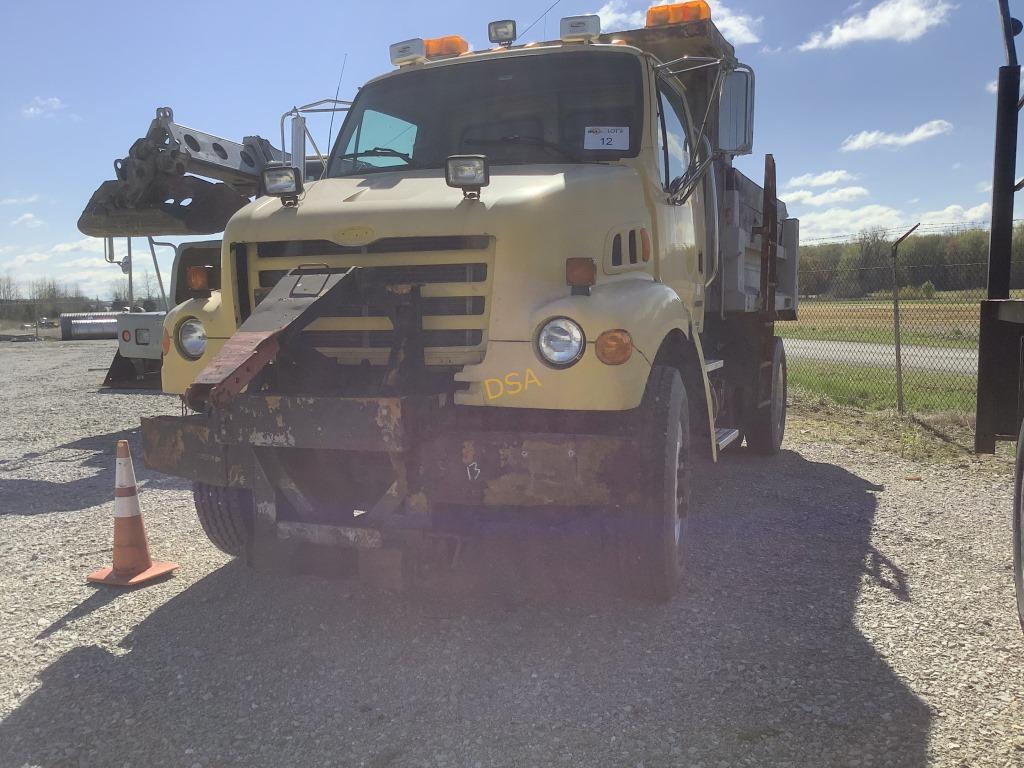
<point x="331" y="535"/>
<point x="184" y="446"/>
<point x="329" y="423"/>
<point x="508" y="469"/>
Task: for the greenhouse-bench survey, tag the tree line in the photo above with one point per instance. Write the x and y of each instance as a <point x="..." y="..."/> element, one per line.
<point x="26" y="302"/>
<point x="956" y="261"/>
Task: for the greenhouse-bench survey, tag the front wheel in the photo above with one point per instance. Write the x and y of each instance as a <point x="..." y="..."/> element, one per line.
<point x="654" y="535"/>
<point x="226" y="515"/>
<point x="1018" y="529"/>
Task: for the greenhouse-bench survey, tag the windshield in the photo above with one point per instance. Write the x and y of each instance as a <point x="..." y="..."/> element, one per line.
<point x="552" y="108"/>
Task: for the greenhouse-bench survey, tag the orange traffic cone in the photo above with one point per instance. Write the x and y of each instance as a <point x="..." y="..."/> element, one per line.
<point x="132" y="565"/>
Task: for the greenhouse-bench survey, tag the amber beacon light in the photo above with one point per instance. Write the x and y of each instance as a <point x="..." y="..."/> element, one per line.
<point x="450" y="45"/>
<point x="678" y="13"/>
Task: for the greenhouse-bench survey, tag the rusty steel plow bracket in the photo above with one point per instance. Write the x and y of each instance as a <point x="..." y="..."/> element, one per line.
<point x="299" y="298"/>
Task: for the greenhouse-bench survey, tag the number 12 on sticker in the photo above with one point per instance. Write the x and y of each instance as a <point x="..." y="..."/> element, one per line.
<point x="606" y="137"/>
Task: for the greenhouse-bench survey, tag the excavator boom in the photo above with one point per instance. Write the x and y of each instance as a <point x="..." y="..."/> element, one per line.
<point x="158" y="189"/>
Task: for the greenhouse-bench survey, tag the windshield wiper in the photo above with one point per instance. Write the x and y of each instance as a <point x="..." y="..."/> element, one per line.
<point x="376" y="152"/>
<point x="532" y="140"/>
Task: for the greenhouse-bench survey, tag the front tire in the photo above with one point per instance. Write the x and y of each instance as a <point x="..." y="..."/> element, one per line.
<point x="226" y="515"/>
<point x="767" y="426"/>
<point x="653" y="544"/>
<point x="1018" y="529"/>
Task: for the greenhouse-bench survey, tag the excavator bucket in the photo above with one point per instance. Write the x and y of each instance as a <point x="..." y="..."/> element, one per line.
<point x="158" y="190"/>
<point x="129" y="373"/>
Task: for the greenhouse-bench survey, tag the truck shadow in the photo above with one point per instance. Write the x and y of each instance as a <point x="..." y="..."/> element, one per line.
<point x="759" y="662"/>
<point x="82" y="473"/>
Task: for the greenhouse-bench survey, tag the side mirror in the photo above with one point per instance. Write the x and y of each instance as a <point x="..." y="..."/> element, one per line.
<point x="736" y="113"/>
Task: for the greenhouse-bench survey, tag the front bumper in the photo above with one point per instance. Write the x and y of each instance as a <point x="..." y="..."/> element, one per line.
<point x="435" y="452"/>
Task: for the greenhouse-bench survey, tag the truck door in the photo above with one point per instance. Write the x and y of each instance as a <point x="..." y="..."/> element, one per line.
<point x="682" y="263"/>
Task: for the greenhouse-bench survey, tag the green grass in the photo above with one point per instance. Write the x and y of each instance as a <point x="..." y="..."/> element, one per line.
<point x="930" y="323"/>
<point x="873" y="388"/>
<point x="839" y="332"/>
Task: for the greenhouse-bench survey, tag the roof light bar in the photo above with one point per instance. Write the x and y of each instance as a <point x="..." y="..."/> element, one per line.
<point x="580" y="28"/>
<point x="678" y="13"/>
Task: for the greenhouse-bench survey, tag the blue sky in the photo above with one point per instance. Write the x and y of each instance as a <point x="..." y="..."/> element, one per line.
<point x="880" y="113"/>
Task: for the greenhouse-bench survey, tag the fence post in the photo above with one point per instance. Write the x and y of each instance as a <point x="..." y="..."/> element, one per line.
<point x="900" y="408"/>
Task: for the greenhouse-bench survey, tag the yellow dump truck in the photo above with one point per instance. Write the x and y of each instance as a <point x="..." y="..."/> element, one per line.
<point x="524" y="287"/>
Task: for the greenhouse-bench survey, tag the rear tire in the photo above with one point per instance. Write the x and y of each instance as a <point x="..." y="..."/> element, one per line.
<point x="653" y="542"/>
<point x="226" y="515"/>
<point x="1018" y="529"/>
<point x="766" y="427"/>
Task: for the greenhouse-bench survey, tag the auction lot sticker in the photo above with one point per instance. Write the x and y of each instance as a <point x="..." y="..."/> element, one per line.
<point x="606" y="137"/>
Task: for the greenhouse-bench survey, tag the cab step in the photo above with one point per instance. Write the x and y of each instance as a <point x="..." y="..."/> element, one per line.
<point x="725" y="437"/>
<point x="711" y="364"/>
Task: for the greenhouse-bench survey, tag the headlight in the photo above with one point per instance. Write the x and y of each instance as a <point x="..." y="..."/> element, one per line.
<point x="192" y="339"/>
<point x="560" y="342"/>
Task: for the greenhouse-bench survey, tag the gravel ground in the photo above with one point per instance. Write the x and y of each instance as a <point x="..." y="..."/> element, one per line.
<point x="836" y="613"/>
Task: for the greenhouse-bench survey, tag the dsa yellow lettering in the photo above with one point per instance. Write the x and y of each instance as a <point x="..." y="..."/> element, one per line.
<point x="514" y="383"/>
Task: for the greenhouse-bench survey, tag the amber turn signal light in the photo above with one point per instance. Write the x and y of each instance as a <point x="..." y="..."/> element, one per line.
<point x="165" y="342"/>
<point x="580" y="273"/>
<point x="614" y="347"/>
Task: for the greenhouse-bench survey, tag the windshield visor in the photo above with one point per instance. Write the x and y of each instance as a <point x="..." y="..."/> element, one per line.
<point x="551" y="108"/>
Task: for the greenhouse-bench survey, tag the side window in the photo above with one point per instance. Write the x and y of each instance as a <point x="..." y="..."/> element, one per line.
<point x="385" y="131"/>
<point x="674" y="154"/>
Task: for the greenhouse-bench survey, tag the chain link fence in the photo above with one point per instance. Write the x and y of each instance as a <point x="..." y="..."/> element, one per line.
<point x="855" y="301"/>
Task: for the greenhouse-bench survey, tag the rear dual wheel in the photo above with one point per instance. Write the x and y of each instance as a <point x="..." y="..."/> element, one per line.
<point x="652" y="542"/>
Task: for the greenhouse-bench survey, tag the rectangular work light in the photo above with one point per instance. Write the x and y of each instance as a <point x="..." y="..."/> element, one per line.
<point x="580" y="28"/>
<point x="468" y="173"/>
<point x="409" y="52"/>
<point x="502" y="32"/>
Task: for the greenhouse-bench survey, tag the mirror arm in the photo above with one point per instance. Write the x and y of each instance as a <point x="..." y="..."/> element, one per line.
<point x="683" y="187"/>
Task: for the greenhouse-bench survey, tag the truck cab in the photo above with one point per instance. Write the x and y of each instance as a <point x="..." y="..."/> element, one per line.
<point x="527" y="278"/>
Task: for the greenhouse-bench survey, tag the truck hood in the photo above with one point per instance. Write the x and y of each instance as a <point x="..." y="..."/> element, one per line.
<point x="416" y="203"/>
<point x="537" y="215"/>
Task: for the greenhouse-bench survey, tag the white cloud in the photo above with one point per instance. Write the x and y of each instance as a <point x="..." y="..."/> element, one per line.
<point x="29" y="220"/>
<point x="824" y="179"/>
<point x="770" y="51"/>
<point x="27" y="199"/>
<point x="957" y="214"/>
<point x="899" y="20"/>
<point x="872" y="139"/>
<point x="43" y="107"/>
<point x="984" y="186"/>
<point x="87" y="244"/>
<point x="23" y="259"/>
<point x="992" y="87"/>
<point x="843" y="221"/>
<point x="739" y="28"/>
<point x="836" y="196"/>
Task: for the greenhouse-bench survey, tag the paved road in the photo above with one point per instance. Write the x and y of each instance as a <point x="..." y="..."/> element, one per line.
<point x="943" y="359"/>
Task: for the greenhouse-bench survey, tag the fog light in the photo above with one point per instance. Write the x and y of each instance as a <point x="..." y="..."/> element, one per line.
<point x="560" y="342"/>
<point x="614" y="347"/>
